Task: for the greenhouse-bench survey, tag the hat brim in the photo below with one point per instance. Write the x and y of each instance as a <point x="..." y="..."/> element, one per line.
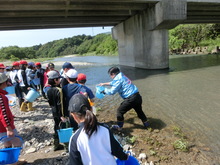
<point x="56" y="77"/>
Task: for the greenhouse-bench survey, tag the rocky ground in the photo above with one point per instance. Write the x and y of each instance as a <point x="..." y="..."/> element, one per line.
<point x="157" y="145"/>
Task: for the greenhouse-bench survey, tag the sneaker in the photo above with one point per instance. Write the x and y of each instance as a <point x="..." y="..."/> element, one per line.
<point x="58" y="147"/>
<point x="116" y="127"/>
<point x="146" y="124"/>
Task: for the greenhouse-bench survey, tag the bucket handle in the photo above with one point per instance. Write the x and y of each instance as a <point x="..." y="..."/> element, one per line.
<point x="67" y="124"/>
<point x="22" y="142"/>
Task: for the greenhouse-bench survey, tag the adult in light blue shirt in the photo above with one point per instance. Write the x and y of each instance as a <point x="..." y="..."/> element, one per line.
<point x="129" y="92"/>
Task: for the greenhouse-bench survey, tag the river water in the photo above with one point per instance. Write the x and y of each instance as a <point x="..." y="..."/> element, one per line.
<point x="186" y="94"/>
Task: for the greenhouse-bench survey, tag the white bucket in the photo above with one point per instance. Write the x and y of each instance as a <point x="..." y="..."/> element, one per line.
<point x="32" y="95"/>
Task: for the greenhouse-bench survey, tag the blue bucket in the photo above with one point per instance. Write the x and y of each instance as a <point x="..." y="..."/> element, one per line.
<point x="32" y="95"/>
<point x="9" y="155"/>
<point x="131" y="161"/>
<point x="36" y="81"/>
<point x="10" y="89"/>
<point x="65" y="134"/>
<point x="98" y="93"/>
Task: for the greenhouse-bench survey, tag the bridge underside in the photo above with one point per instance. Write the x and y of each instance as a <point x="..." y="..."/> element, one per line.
<point x="41" y="14"/>
<point x="140" y="26"/>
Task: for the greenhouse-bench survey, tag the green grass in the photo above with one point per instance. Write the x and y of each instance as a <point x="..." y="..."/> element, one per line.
<point x="131" y="140"/>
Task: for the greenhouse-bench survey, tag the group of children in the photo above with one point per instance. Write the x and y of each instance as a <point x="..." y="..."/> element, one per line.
<point x="70" y="101"/>
<point x="59" y="90"/>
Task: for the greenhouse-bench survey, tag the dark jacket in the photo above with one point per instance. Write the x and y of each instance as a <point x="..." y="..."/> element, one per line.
<point x="55" y="100"/>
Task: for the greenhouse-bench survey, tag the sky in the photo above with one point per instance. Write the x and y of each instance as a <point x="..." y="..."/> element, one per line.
<point x="27" y="38"/>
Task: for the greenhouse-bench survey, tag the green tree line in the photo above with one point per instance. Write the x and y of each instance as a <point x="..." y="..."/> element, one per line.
<point x="101" y="44"/>
<point x="181" y="37"/>
<point x="194" y="35"/>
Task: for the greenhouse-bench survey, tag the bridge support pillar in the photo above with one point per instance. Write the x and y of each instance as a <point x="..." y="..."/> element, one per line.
<point x="143" y="38"/>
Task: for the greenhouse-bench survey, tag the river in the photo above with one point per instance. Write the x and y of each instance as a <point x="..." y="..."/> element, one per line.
<point x="186" y="94"/>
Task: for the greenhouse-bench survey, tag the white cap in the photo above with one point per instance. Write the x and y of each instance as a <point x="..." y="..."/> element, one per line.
<point x="53" y="74"/>
<point x="3" y="77"/>
<point x="72" y="73"/>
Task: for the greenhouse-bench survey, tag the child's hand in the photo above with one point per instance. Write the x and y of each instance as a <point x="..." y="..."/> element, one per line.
<point x="10" y="133"/>
<point x="63" y="119"/>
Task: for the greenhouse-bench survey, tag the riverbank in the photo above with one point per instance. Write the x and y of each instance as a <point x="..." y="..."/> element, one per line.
<point x="168" y="100"/>
<point x="155" y="144"/>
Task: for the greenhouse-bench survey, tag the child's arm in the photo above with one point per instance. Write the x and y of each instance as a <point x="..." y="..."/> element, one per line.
<point x="102" y="84"/>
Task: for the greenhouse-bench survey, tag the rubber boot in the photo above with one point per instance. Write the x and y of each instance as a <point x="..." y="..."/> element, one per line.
<point x="30" y="106"/>
<point x="23" y="107"/>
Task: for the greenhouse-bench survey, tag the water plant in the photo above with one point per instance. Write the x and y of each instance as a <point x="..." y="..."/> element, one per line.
<point x="181" y="145"/>
<point x="131" y="140"/>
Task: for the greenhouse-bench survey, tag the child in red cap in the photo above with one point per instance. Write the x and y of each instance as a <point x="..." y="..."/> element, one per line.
<point x="81" y="79"/>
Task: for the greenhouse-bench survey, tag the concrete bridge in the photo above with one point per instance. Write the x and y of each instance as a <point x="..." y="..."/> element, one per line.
<point x="140" y="26"/>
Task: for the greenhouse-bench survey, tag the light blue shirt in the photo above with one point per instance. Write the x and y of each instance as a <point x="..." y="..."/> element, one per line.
<point x="122" y="85"/>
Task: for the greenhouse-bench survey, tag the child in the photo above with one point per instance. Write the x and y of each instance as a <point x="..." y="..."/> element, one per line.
<point x="71" y="89"/>
<point x="7" y="127"/>
<point x="93" y="142"/>
<point x="81" y="79"/>
<point x="55" y="99"/>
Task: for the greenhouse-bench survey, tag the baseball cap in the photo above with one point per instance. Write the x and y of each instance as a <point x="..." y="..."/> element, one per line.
<point x="2" y="66"/>
<point x="8" y="67"/>
<point x="78" y="101"/>
<point x="67" y="65"/>
<point x="51" y="65"/>
<point x="37" y="63"/>
<point x="72" y="73"/>
<point x="81" y="76"/>
<point x="31" y="64"/>
<point x="53" y="74"/>
<point x="15" y="63"/>
<point x="23" y="62"/>
<point x="3" y="77"/>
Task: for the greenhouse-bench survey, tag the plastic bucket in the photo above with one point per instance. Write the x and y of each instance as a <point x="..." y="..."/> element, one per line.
<point x="131" y="161"/>
<point x="10" y="89"/>
<point x="11" y="100"/>
<point x="32" y="95"/>
<point x="98" y="93"/>
<point x="65" y="134"/>
<point x="9" y="155"/>
<point x="36" y="81"/>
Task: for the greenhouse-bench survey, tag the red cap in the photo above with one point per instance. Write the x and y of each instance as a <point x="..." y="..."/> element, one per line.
<point x="37" y="63"/>
<point x="81" y="76"/>
<point x="23" y="62"/>
<point x="15" y="63"/>
<point x="2" y="66"/>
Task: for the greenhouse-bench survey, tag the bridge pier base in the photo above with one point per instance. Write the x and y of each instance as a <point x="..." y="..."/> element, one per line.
<point x="143" y="38"/>
<point x="141" y="48"/>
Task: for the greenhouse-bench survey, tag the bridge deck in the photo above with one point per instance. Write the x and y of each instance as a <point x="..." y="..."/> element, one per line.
<point x="40" y="14"/>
